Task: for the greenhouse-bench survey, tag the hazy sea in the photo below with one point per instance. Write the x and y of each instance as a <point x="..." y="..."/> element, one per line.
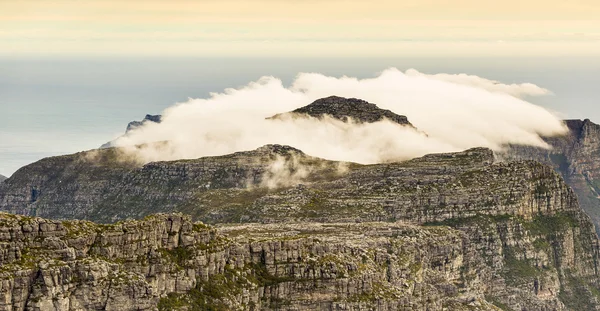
<point x="59" y="106"/>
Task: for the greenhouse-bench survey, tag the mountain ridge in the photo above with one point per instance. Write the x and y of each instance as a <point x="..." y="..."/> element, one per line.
<point x="576" y="156"/>
<point x="288" y="231"/>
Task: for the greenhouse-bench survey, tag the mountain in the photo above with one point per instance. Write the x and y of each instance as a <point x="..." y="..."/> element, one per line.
<point x="450" y="231"/>
<point x="2" y="178"/>
<point x="276" y="183"/>
<point x="470" y="232"/>
<point x="334" y="106"/>
<point x="576" y="156"/>
<point x="277" y="229"/>
<point x="135" y="124"/>
<point x="347" y="108"/>
<point x="148" y="118"/>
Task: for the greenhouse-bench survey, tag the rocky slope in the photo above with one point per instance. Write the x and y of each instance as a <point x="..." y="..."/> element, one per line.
<point x="278" y="183"/>
<point x="454" y="231"/>
<point x="576" y="156"/>
<point x="347" y="108"/>
<point x="529" y="262"/>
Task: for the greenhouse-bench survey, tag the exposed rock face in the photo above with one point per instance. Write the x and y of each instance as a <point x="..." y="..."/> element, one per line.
<point x="576" y="156"/>
<point x="344" y="108"/>
<point x="165" y="261"/>
<point x="135" y="124"/>
<point x="278" y="183"/>
<point x="516" y="237"/>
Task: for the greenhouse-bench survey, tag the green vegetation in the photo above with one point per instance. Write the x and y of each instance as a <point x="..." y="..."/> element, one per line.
<point x="542" y="189"/>
<point x="561" y="161"/>
<point x="478" y="219"/>
<point x="577" y="294"/>
<point x="179" y="255"/>
<point x="550" y="225"/>
<point x="214" y="293"/>
<point x="518" y="270"/>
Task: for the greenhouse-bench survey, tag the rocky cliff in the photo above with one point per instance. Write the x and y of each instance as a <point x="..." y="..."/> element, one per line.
<point x="166" y="262"/>
<point x="280" y="184"/>
<point x="576" y="156"/>
<point x="442" y="232"/>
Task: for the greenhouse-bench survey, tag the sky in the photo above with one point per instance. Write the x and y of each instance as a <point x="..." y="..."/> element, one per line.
<point x="307" y="28"/>
<point x="73" y="73"/>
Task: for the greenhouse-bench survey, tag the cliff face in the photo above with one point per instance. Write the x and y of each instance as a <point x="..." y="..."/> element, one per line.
<point x="278" y="183"/>
<point x="576" y="156"/>
<point x="166" y="262"/>
<point x="454" y="231"/>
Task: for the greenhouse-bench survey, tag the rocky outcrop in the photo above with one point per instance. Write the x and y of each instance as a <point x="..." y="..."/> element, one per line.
<point x="576" y="156"/>
<point x="454" y="231"/>
<point x="343" y="109"/>
<point x="166" y="262"/>
<point x="148" y="118"/>
<point x="134" y="125"/>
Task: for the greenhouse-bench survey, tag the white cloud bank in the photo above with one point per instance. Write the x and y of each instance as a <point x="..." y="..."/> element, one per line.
<point x="456" y="111"/>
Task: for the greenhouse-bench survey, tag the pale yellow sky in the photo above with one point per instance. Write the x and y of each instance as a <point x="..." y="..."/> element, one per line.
<point x="300" y="28"/>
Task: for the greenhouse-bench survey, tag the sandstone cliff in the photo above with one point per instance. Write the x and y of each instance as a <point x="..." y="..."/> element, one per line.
<point x="166" y="262"/>
<point x="278" y="183"/>
<point x="442" y="232"/>
<point x="576" y="156"/>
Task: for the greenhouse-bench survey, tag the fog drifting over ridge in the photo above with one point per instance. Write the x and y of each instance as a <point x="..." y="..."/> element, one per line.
<point x="456" y="112"/>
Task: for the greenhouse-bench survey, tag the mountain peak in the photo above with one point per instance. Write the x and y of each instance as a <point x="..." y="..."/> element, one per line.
<point x="342" y="108"/>
<point x="148" y="118"/>
<point x="279" y="149"/>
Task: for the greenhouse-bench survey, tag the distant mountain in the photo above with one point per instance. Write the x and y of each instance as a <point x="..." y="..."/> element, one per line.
<point x="148" y="118"/>
<point x="340" y="108"/>
<point x="135" y="124"/>
<point x="576" y="156"/>
<point x="347" y="108"/>
<point x="3" y="178"/>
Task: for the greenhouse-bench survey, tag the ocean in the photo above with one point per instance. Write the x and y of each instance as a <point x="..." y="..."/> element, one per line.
<point x="57" y="106"/>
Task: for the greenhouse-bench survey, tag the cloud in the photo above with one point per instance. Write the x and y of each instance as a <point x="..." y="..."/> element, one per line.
<point x="455" y="111"/>
<point x="517" y="90"/>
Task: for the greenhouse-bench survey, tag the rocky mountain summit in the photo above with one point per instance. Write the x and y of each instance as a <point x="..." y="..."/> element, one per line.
<point x="134" y="125"/>
<point x="348" y="108"/>
<point x="148" y="118"/>
<point x="576" y="156"/>
<point x="453" y="231"/>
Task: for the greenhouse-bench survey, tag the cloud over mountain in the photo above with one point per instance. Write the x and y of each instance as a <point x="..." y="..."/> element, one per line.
<point x="450" y="112"/>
